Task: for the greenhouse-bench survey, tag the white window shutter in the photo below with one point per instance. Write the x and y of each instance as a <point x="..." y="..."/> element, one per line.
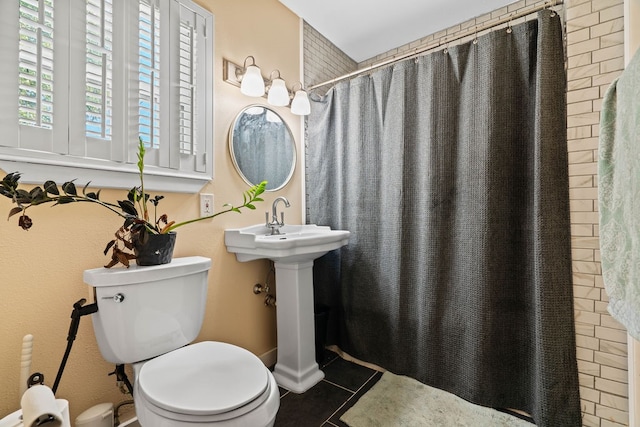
<point x="35" y="63"/>
<point x="77" y="76"/>
<point x="124" y="52"/>
<point x="9" y="41"/>
<point x="187" y="70"/>
<point x="34" y="33"/>
<point x="205" y="83"/>
<point x="61" y="138"/>
<point x="170" y="152"/>
<point x="84" y="79"/>
<point x="99" y="70"/>
<point x="195" y="80"/>
<point x="149" y="72"/>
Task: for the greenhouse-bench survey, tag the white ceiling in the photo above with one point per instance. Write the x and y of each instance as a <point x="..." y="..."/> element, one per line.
<point x="365" y="28"/>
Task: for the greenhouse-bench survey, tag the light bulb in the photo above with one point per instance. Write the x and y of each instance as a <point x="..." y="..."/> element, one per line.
<point x="252" y="82"/>
<point x="300" y="104"/>
<point x="278" y="93"/>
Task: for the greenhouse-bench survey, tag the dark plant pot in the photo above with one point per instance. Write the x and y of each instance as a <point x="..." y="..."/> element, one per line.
<point x="156" y="250"/>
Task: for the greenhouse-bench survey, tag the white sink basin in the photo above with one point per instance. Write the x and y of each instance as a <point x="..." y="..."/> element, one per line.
<point x="294" y="244"/>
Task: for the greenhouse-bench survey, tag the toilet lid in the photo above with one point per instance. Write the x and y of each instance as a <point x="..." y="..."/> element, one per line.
<point x="203" y="379"/>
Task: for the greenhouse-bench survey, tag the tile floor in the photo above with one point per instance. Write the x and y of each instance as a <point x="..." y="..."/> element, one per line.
<point x="324" y="403"/>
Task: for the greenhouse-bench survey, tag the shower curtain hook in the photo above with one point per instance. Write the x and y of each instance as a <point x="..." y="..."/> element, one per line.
<point x="475" y="36"/>
<point x="446" y="46"/>
<point x="549" y="5"/>
<point x="509" y="30"/>
<point x="415" y="57"/>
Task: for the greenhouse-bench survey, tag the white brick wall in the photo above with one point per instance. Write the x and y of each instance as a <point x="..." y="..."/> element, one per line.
<point x="594" y="59"/>
<point x="323" y="60"/>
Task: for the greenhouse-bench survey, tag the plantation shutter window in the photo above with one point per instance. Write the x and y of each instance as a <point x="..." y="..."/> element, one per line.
<point x="84" y="79"/>
<point x="149" y="73"/>
<point x="32" y="101"/>
<point x="174" y="82"/>
<point x="99" y="65"/>
<point x="35" y="62"/>
<point x="187" y="96"/>
<point x="99" y="68"/>
<point x="193" y="78"/>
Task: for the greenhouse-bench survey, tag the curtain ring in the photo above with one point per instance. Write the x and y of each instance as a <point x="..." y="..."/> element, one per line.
<point x="475" y="37"/>
<point x="509" y="30"/>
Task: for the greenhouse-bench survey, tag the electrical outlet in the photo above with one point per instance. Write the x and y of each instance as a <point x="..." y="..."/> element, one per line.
<point x="206" y="204"/>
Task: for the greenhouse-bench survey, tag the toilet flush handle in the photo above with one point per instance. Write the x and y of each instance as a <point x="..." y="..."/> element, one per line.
<point x="117" y="297"/>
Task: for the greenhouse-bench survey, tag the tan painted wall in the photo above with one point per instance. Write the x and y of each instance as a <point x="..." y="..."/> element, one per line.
<point x="41" y="270"/>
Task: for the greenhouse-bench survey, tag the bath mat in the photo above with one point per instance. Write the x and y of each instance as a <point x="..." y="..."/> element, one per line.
<point x="402" y="401"/>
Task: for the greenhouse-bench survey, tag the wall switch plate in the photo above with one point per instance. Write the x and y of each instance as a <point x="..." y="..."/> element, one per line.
<point x="206" y="204"/>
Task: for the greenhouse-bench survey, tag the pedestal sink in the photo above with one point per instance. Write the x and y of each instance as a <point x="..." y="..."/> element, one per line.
<point x="293" y="252"/>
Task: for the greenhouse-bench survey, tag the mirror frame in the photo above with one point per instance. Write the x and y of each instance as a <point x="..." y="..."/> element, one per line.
<point x="233" y="154"/>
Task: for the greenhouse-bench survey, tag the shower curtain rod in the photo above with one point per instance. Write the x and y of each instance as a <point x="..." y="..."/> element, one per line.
<point x="441" y="41"/>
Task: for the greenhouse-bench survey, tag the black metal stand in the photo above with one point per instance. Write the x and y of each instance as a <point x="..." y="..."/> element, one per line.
<point x="79" y="310"/>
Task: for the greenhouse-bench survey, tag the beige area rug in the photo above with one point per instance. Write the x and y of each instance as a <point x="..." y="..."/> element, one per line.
<point x="396" y="401"/>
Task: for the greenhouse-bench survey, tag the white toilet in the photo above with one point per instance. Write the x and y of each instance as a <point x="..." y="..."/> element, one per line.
<point x="146" y="317"/>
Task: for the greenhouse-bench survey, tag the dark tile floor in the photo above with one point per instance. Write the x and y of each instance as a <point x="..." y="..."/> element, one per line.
<point x="343" y="384"/>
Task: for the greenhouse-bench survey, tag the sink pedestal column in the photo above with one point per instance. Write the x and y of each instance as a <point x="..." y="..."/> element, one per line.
<point x="296" y="369"/>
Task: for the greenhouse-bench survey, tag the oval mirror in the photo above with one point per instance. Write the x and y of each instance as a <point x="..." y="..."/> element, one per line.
<point x="262" y="147"/>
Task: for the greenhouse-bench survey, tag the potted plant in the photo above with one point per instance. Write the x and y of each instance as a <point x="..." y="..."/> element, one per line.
<point x="148" y="240"/>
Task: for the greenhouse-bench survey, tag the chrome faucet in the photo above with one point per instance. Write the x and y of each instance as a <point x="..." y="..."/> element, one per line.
<point x="275" y="225"/>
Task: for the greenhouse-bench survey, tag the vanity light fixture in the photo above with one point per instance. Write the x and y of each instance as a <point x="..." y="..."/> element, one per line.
<point x="251" y="83"/>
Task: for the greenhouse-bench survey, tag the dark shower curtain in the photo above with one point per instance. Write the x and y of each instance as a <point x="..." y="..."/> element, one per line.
<point x="450" y="171"/>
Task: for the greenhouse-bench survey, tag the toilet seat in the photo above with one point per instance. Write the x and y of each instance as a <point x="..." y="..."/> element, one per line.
<point x="203" y="382"/>
<point x="260" y="410"/>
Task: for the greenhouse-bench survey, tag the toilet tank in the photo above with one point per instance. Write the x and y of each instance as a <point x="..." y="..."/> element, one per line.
<point x="147" y="311"/>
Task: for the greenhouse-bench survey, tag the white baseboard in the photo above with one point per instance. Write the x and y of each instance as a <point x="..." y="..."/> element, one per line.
<point x="270" y="357"/>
